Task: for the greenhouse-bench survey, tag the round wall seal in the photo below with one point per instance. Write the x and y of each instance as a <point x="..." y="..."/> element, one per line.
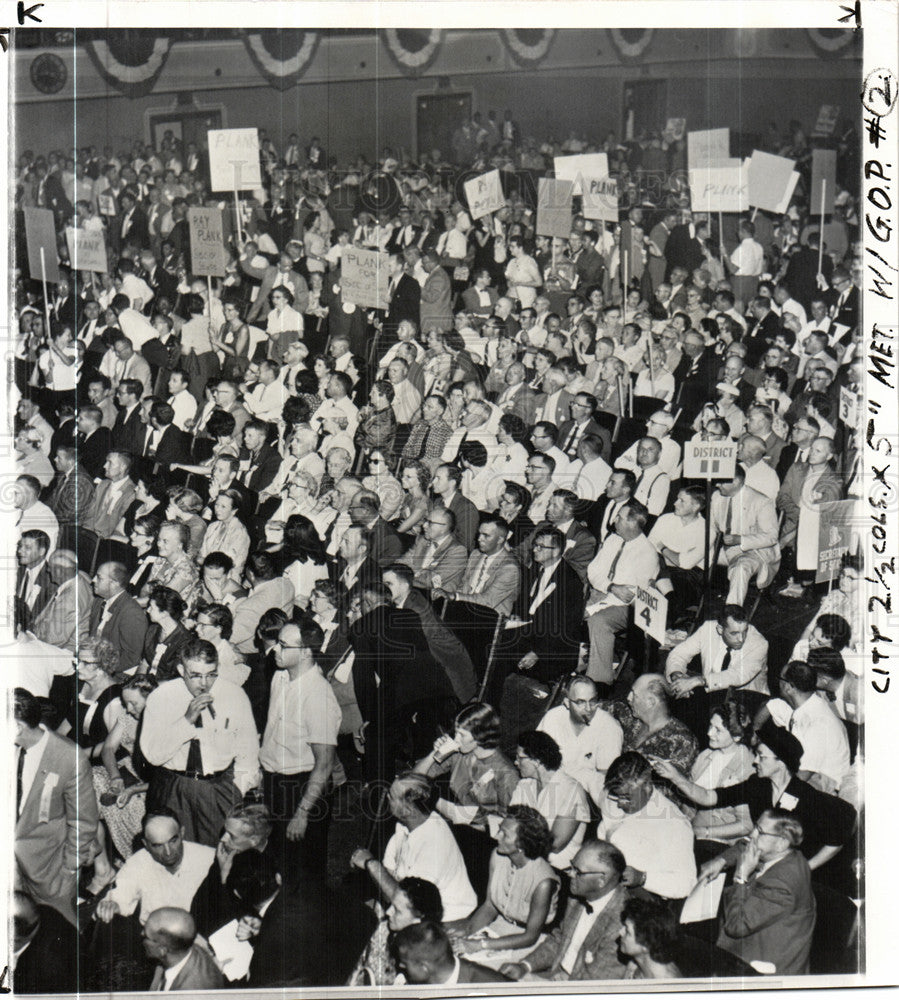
<point x="48" y="73"/>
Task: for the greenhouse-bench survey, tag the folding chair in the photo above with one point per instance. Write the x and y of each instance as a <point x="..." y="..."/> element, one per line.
<point x="491" y="655"/>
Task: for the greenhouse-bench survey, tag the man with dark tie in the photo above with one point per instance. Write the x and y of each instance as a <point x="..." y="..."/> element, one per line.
<point x="128" y="431"/>
<point x="405" y="234"/>
<point x="259" y="461"/>
<point x="164" y="444"/>
<point x="404" y="297"/>
<point x="93" y="441"/>
<point x="571" y="432"/>
<point x="116" y="616"/>
<point x="34" y="587"/>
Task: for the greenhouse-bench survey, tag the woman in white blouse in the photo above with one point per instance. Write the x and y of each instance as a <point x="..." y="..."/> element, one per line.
<point x="282" y="318"/>
<point x="306" y="552"/>
<point x="727" y="761"/>
<point x="226" y="533"/>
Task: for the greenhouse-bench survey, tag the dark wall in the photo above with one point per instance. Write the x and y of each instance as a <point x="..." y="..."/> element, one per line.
<point x="351" y="118"/>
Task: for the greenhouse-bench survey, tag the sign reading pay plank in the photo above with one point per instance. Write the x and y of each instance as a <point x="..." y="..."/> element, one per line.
<point x="207" y="245"/>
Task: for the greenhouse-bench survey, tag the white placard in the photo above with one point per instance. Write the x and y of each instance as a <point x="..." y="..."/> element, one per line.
<point x="708" y="148"/>
<point x="234" y="159"/>
<point x="769" y="179"/>
<point x="584" y="166"/>
<point x="710" y="459"/>
<point x="651" y="612"/>
<point x="484" y="194"/>
<point x="723" y="188"/>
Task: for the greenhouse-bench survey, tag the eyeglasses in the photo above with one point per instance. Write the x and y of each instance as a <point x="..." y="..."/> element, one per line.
<point x="286" y="645"/>
<point x="574" y="872"/>
<point x="544" y="545"/>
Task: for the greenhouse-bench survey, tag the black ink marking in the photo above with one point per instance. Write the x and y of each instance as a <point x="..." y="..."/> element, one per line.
<point x="880" y="93"/>
<point x="852" y="12"/>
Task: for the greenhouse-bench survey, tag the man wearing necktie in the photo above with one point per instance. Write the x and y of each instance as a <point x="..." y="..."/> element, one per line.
<point x="625" y="561"/>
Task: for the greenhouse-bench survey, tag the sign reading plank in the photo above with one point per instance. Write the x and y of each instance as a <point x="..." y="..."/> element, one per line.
<point x="708" y="148"/>
<point x="364" y="277"/>
<point x="834" y="538"/>
<point x="234" y="159"/>
<point x="484" y="194"/>
<point x="651" y="612"/>
<point x="87" y="249"/>
<point x="600" y="199"/>
<point x="583" y="166"/>
<point x="724" y="188"/>
<point x="828" y="117"/>
<point x="769" y="178"/>
<point x="554" y="207"/>
<point x="41" y="232"/>
<point x="710" y="459"/>
<point x="207" y="241"/>
<point x="824" y="178"/>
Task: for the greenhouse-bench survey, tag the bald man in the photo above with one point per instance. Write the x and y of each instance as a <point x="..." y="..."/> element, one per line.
<point x="168" y="938"/>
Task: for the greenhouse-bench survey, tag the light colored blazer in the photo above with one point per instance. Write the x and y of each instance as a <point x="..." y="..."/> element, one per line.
<point x="104" y="522"/>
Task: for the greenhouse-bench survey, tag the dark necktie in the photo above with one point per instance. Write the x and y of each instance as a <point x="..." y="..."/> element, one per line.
<point x="725" y="663"/>
<point x="614" y="565"/>
<point x="20" y="769"/>
<point x="423" y="448"/>
<point x="23" y="590"/>
<point x="194" y="756"/>
<point x="729" y="520"/>
<point x="569" y="444"/>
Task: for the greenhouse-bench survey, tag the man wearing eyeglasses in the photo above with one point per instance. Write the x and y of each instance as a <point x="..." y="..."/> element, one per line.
<point x="299" y="751"/>
<point x="769" y="911"/>
<point x="198" y="730"/>
<point x="585" y="944"/>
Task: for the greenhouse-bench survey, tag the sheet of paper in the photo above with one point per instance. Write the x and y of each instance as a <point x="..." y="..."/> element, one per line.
<point x="235" y="956"/>
<point x="703" y="901"/>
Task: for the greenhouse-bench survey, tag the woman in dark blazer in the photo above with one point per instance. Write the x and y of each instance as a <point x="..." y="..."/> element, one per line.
<point x="166" y="635"/>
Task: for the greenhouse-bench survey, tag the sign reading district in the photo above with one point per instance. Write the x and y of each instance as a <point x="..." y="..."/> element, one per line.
<point x="234" y="159"/>
<point x="651" y="613"/>
<point x="87" y="249"/>
<point x="364" y="277"/>
<point x="484" y="194"/>
<point x="710" y="459"/>
<point x="207" y="245"/>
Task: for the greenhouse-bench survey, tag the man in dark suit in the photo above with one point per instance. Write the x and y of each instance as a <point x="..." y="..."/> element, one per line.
<point x="116" y="616"/>
<point x="480" y="299"/>
<point x="354" y="565"/>
<point x="590" y="266"/>
<point x="401" y="691"/>
<point x="843" y="299"/>
<point x="444" y="646"/>
<point x="603" y="511"/>
<point x="802" y="272"/>
<point x="695" y="375"/>
<point x="34" y="586"/>
<point x="386" y="546"/>
<point x="128" y="429"/>
<point x="436" y="296"/>
<point x="179" y="235"/>
<point x="572" y="432"/>
<point x="769" y="911"/>
<point x="404" y="297"/>
<point x="405" y="233"/>
<point x="595" y="883"/>
<point x="163" y="444"/>
<point x="132" y="222"/>
<point x="548" y="615"/>
<point x="94" y="441"/>
<point x="446" y="484"/>
<point x="425" y="956"/>
<point x="64" y="308"/>
<point x="168" y="937"/>
<point x="56" y="809"/>
<point x="45" y="947"/>
<point x="259" y="462"/>
<point x="578" y="544"/>
<point x="164" y="284"/>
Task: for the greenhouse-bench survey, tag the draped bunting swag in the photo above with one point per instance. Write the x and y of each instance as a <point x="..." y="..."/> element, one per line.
<point x="130" y="61"/>
<point x="831" y="42"/>
<point x="527" y="46"/>
<point x="413" y="50"/>
<point x="631" y="43"/>
<point x="282" y="56"/>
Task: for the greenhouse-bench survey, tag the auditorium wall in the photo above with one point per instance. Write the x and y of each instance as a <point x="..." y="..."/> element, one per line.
<point x="576" y="88"/>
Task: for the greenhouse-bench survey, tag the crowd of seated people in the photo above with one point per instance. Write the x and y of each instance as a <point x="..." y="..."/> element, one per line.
<point x="272" y="543"/>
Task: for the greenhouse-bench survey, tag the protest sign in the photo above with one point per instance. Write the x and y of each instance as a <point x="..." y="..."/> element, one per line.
<point x="484" y="194"/>
<point x="87" y="249"/>
<point x="828" y="116"/>
<point x="651" y="612"/>
<point x="707" y="148"/>
<point x="106" y="203"/>
<point x="848" y="407"/>
<point x="584" y="166"/>
<point x="554" y="207"/>
<point x="600" y="199"/>
<point x="207" y="244"/>
<point x="710" y="459"/>
<point x="234" y="159"/>
<point x="788" y="194"/>
<point x="769" y="178"/>
<point x="824" y="180"/>
<point x="40" y="232"/>
<point x="834" y="538"/>
<point x="364" y="277"/>
<point x="722" y="188"/>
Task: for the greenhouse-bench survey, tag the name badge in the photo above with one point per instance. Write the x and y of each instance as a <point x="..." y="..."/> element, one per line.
<point x="486" y="776"/>
<point x="50" y="782"/>
<point x="788" y="802"/>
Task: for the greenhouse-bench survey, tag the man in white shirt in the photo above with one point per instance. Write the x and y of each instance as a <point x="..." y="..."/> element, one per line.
<point x="659" y="427"/>
<point x="679" y="538"/>
<point x="625" y="561"/>
<point x="422" y="846"/>
<point x="654" y="836"/>
<point x="653" y="483"/>
<point x="265" y="400"/>
<point x="198" y="729"/>
<point x="825" y="757"/>
<point x="759" y="474"/>
<point x="298" y="754"/>
<point x="406" y="398"/>
<point x="746" y="264"/>
<point x="180" y="400"/>
<point x="166" y="872"/>
<point x="589" y="737"/>
<point x="591" y="472"/>
<point x="338" y="404"/>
